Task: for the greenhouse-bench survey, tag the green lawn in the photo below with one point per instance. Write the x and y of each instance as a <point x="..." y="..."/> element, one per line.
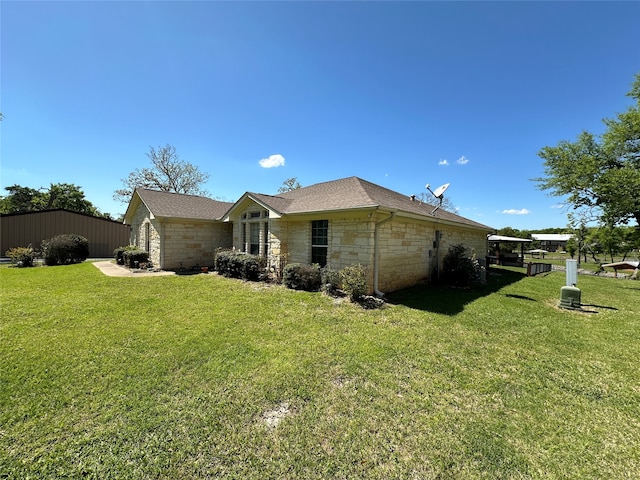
<point x="174" y="377"/>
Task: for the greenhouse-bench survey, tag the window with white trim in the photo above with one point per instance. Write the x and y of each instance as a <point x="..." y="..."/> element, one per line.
<point x="254" y="232"/>
<point x="319" y="241"/>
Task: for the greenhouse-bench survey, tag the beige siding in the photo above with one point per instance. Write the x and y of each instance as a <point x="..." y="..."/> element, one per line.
<point x="32" y="228"/>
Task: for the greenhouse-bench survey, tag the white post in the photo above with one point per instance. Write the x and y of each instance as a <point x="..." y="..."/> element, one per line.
<point x="572" y="273"/>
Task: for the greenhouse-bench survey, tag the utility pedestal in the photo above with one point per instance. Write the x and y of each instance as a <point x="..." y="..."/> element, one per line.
<point x="570" y="295"/>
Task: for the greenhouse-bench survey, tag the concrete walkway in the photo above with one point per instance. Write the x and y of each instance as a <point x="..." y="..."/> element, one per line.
<point x="112" y="270"/>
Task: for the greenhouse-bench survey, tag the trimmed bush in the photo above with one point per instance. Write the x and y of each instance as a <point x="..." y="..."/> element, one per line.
<point x="458" y="268"/>
<point x="240" y="265"/>
<point x="118" y="253"/>
<point x="298" y="276"/>
<point x="133" y="258"/>
<point x="354" y="281"/>
<point x="65" y="249"/>
<point x="22" y="256"/>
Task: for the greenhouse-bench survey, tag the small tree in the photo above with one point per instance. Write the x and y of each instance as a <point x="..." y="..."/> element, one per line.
<point x="572" y="247"/>
<point x="289" y="184"/>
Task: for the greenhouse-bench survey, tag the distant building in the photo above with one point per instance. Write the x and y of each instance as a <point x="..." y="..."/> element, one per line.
<point x="552" y="242"/>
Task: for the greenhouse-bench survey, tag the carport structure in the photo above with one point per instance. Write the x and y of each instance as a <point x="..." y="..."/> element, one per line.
<point x="506" y="259"/>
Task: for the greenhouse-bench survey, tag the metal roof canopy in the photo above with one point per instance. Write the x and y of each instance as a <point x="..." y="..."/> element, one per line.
<point x="502" y="238"/>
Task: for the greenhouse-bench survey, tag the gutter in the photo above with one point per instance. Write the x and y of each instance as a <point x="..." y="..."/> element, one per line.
<point x="376" y="251"/>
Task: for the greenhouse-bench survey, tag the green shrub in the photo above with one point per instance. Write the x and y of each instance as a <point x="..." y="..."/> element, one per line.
<point x="133" y="258"/>
<point x="298" y="276"/>
<point x="118" y="253"/>
<point x="65" y="249"/>
<point x="234" y="264"/>
<point x="22" y="256"/>
<point x="458" y="268"/>
<point x="331" y="282"/>
<point x="354" y="281"/>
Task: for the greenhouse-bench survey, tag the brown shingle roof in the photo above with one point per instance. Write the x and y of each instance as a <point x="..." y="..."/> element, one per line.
<point x="351" y="193"/>
<point x="176" y="205"/>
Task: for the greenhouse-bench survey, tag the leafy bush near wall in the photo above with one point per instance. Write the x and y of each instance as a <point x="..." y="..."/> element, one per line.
<point x="298" y="276"/>
<point x="331" y="281"/>
<point x="458" y="268"/>
<point x="118" y="253"/>
<point x="65" y="249"/>
<point x="133" y="258"/>
<point x="22" y="256"/>
<point x="239" y="265"/>
<point x="354" y="281"/>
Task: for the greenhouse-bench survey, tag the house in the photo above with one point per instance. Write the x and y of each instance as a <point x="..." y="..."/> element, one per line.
<point x="398" y="239"/>
<point x="31" y="228"/>
<point x="552" y="241"/>
<point x="178" y="231"/>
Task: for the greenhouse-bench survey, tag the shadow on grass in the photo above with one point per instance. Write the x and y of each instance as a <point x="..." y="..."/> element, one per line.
<point x="450" y="300"/>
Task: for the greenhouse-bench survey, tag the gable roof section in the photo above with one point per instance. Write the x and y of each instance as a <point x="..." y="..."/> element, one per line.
<point x="178" y="205"/>
<point x="349" y="194"/>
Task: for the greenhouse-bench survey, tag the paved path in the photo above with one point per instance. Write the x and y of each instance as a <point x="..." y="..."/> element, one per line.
<point x="112" y="270"/>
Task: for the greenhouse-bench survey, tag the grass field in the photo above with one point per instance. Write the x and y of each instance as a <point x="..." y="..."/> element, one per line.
<point x="205" y="377"/>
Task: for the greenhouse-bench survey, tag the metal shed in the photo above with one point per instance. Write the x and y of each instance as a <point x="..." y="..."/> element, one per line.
<point x="31" y="228"/>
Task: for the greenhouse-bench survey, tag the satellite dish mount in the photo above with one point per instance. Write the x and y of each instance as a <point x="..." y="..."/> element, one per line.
<point x="439" y="194"/>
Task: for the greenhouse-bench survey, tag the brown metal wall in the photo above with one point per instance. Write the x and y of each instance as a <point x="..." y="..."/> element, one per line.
<point x="21" y="230"/>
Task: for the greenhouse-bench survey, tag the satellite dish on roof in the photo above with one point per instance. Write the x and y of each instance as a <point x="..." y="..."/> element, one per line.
<point x="439" y="194"/>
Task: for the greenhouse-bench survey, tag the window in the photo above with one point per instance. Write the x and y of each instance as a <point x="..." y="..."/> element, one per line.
<point x="254" y="232"/>
<point x="254" y="238"/>
<point x="147" y="237"/>
<point x="319" y="242"/>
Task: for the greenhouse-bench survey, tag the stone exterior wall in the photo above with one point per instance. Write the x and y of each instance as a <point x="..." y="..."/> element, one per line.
<point x="406" y="254"/>
<point x="140" y="232"/>
<point x="191" y="243"/>
<point x="410" y="253"/>
<point x="178" y="243"/>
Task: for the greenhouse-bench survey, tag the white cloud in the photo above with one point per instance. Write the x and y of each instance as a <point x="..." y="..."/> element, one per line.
<point x="513" y="211"/>
<point x="276" y="160"/>
<point x="558" y="205"/>
<point x="443" y="162"/>
<point x="462" y="160"/>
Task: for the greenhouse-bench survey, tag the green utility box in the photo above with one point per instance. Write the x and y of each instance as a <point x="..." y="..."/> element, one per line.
<point x="570" y="297"/>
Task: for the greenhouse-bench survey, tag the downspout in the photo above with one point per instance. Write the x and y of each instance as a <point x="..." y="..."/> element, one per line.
<point x="376" y="250"/>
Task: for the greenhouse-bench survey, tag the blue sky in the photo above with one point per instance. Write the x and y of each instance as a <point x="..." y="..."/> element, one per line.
<point x="397" y="93"/>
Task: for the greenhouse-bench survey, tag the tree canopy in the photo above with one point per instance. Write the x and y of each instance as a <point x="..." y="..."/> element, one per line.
<point x="600" y="173"/>
<point x="167" y="173"/>
<point x="59" y="195"/>
<point x="289" y="184"/>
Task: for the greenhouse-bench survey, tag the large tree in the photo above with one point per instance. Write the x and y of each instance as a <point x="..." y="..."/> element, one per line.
<point x="167" y="173"/>
<point x="59" y="195"/>
<point x="600" y="174"/>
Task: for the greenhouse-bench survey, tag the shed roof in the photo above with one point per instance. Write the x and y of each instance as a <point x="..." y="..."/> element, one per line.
<point x="552" y="237"/>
